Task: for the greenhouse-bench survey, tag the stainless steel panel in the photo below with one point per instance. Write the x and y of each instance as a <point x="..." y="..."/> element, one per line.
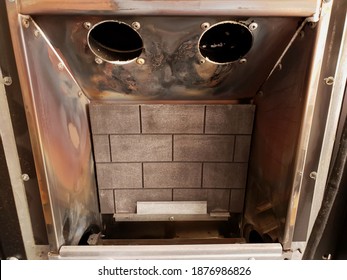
<point x="59" y="128"/>
<point x="171" y="55"/>
<point x="305" y="8"/>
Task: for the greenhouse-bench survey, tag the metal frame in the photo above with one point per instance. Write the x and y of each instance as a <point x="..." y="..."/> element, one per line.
<point x="32" y="250"/>
<point x="295" y="8"/>
<point x="310" y="9"/>
<point x="155" y="252"/>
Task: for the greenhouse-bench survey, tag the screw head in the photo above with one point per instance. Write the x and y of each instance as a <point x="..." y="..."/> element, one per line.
<point x="87" y="25"/>
<point x="25" y="177"/>
<point x="140" y="61"/>
<point x="205" y="25"/>
<point x="80" y="93"/>
<point x="172" y="218"/>
<point x="37" y="33"/>
<point x="329" y="81"/>
<point x="26" y="22"/>
<point x="253" y="26"/>
<point x="7" y="81"/>
<point x="98" y="60"/>
<point x="313" y="175"/>
<point x="242" y="60"/>
<point x="136" y="25"/>
<point x="60" y="66"/>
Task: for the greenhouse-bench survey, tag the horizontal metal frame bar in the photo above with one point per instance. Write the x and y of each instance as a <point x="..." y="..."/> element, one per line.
<point x="169" y="217"/>
<point x="296" y="8"/>
<point x="210" y="251"/>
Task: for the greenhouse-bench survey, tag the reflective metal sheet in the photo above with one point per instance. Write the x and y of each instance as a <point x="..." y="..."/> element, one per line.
<point x="305" y="8"/>
<point x="172" y="67"/>
<point x="69" y="191"/>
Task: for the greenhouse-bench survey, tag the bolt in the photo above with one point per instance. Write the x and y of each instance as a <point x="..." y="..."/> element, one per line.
<point x="302" y="34"/>
<point x="202" y="61"/>
<point x="7" y="81"/>
<point x="36" y="33"/>
<point x="242" y="60"/>
<point x="329" y="81"/>
<point x="253" y="26"/>
<point x="279" y="66"/>
<point x="80" y="93"/>
<point x="25" y="22"/>
<point x="25" y="177"/>
<point x="205" y="25"/>
<point x="98" y="60"/>
<point x="313" y="175"/>
<point x="87" y="25"/>
<point x="136" y="25"/>
<point x="140" y="61"/>
<point x="172" y="218"/>
<point x="60" y="66"/>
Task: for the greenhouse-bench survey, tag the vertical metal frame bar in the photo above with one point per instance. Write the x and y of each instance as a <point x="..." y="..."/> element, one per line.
<point x="7" y="135"/>
<point x="337" y="95"/>
<point x="313" y="83"/>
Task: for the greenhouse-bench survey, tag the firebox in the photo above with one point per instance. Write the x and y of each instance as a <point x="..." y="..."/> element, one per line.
<point x="178" y="129"/>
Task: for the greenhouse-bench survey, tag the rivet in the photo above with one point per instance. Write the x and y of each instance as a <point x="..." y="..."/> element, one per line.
<point x="80" y="93"/>
<point x="136" y="25"/>
<point x="60" y="66"/>
<point x="242" y="60"/>
<point x="98" y="60"/>
<point x="87" y="25"/>
<point x="25" y="177"/>
<point x="140" y="61"/>
<point x="7" y="81"/>
<point x="253" y="26"/>
<point x="329" y="81"/>
<point x="313" y="175"/>
<point x="36" y="33"/>
<point x="205" y="25"/>
<point x="172" y="218"/>
<point x="25" y="22"/>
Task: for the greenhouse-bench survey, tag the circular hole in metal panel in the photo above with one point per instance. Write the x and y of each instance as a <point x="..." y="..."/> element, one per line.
<point x="115" y="42"/>
<point x="225" y="42"/>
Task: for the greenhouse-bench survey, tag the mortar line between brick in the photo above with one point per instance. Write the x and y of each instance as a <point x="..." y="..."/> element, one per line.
<point x="204" y="125"/>
<point x="234" y="149"/>
<point x="140" y="116"/>
<point x="173" y="147"/>
<point x="143" y="175"/>
<point x="229" y="204"/>
<point x="202" y="175"/>
<point x="109" y="147"/>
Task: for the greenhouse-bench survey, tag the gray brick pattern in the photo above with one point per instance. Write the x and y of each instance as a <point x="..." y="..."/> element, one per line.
<point x="138" y="148"/>
<point x="229" y="119"/>
<point x="225" y="175"/>
<point x="107" y="118"/>
<point x="106" y="201"/>
<point x="204" y="148"/>
<point x="119" y="175"/>
<point x="101" y="148"/>
<point x="180" y="152"/>
<point x="172" y="175"/>
<point x="172" y="119"/>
